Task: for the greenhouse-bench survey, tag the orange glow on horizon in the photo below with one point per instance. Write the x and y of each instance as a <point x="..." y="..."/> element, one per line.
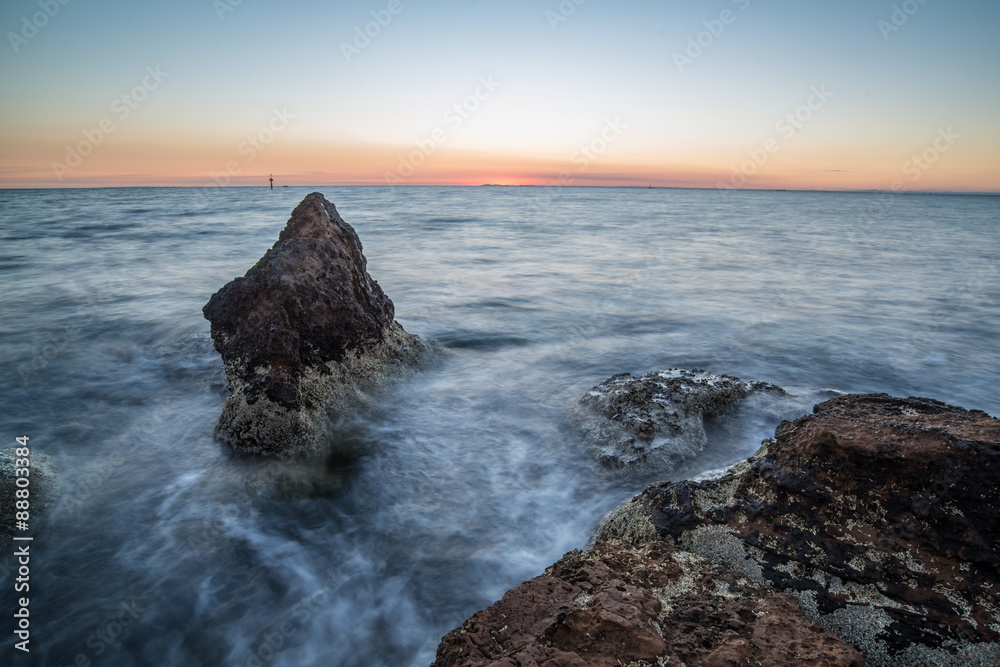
<point x="134" y="161"/>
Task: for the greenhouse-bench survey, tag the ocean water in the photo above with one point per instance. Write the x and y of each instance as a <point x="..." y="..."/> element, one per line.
<point x="165" y="549"/>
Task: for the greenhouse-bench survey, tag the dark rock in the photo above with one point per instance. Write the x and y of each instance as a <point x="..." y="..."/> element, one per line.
<point x="641" y="606"/>
<point x="305" y="335"/>
<point x="41" y="491"/>
<point x="881" y="515"/>
<point x="658" y="420"/>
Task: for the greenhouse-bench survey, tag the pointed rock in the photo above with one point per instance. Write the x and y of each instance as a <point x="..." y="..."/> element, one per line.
<point x="305" y="335"/>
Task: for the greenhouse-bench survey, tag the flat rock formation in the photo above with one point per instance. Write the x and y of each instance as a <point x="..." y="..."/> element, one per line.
<point x="658" y="419"/>
<point x="305" y="336"/>
<point x="880" y="515"/>
<point x="645" y="605"/>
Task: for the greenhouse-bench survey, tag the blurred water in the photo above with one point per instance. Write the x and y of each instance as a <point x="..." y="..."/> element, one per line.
<point x="166" y="550"/>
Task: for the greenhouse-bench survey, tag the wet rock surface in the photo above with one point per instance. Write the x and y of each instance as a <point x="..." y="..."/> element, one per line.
<point x="306" y="335"/>
<point x="41" y="489"/>
<point x="880" y="514"/>
<point x="649" y="605"/>
<point x="658" y="419"/>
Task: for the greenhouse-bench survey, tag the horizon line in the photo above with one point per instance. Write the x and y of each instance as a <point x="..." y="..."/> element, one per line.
<point x="977" y="193"/>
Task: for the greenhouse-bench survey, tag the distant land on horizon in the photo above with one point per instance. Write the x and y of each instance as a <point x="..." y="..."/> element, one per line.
<point x="503" y="185"/>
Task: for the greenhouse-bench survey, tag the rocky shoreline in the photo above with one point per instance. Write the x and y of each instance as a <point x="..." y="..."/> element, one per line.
<point x="867" y="532"/>
<point x="864" y="533"/>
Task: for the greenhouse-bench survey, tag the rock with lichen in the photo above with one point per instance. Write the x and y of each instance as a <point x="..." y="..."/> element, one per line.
<point x="306" y="337"/>
<point x="880" y="515"/>
<point x="657" y="420"/>
<point x="646" y="605"/>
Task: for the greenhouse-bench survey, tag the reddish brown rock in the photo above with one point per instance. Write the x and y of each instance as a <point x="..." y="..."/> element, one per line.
<point x="881" y="515"/>
<point x="641" y="606"/>
<point x="304" y="335"/>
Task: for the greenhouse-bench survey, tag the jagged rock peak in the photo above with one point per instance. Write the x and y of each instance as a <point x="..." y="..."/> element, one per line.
<point x="304" y="335"/>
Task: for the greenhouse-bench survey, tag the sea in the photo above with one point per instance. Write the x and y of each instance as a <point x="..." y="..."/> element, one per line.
<point x="471" y="476"/>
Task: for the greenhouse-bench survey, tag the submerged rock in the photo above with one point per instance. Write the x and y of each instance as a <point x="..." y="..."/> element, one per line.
<point x="658" y="418"/>
<point x="881" y="515"/>
<point x="305" y="336"/>
<point x="648" y="605"/>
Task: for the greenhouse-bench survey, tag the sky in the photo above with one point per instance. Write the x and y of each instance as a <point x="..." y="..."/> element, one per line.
<point x="798" y="94"/>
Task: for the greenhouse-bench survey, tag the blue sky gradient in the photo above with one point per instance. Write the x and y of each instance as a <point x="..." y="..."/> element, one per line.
<point x="229" y="66"/>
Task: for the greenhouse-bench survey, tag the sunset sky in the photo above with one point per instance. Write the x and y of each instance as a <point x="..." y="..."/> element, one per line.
<point x="856" y="94"/>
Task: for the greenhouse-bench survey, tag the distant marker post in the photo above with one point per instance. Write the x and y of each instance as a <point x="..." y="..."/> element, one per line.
<point x="272" y="180"/>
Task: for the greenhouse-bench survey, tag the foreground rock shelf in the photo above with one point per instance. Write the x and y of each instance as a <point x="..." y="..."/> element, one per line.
<point x="648" y="605"/>
<point x="878" y="516"/>
<point x="306" y="336"/>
